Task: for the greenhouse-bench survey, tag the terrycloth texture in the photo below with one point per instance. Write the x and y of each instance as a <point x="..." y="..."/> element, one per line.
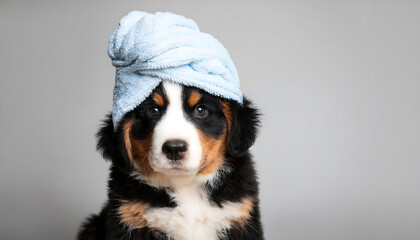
<point x="148" y="48"/>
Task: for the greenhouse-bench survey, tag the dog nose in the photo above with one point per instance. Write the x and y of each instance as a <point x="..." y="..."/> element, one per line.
<point x="174" y="149"/>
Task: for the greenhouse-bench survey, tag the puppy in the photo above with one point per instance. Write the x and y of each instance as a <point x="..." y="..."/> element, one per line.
<point x="180" y="170"/>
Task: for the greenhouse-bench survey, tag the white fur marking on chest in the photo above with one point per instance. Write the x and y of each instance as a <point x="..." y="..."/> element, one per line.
<point x="194" y="217"/>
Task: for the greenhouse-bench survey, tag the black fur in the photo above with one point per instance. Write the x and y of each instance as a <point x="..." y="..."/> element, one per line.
<point x="240" y="182"/>
<point x="245" y="123"/>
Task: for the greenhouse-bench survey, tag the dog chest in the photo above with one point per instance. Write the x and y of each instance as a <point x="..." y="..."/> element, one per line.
<point x="194" y="217"/>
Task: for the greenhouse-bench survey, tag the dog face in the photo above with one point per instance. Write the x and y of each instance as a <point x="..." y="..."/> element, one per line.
<point x="179" y="130"/>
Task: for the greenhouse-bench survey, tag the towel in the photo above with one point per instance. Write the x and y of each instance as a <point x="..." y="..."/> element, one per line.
<point x="148" y="48"/>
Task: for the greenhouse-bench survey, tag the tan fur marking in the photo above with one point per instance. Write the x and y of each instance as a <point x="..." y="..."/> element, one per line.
<point x="213" y="153"/>
<point x="132" y="214"/>
<point x="214" y="149"/>
<point x="228" y="114"/>
<point x="194" y="98"/>
<point x="246" y="209"/>
<point x="126" y="131"/>
<point x="141" y="151"/>
<point x="158" y="99"/>
<point x="227" y="111"/>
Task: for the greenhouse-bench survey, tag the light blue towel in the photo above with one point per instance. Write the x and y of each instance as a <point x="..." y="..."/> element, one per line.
<point x="148" y="48"/>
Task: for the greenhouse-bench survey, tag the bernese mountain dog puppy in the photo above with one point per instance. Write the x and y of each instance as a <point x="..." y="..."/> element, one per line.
<point x="180" y="170"/>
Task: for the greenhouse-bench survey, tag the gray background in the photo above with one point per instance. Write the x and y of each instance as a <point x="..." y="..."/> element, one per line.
<point x="338" y="83"/>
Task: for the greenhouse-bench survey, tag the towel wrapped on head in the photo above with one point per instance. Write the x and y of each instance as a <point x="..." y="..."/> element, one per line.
<point x="148" y="48"/>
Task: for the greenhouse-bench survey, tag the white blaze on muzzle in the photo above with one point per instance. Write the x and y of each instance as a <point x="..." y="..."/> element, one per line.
<point x="174" y="125"/>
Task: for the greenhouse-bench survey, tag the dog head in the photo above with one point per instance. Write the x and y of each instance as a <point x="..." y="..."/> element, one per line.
<point x="179" y="131"/>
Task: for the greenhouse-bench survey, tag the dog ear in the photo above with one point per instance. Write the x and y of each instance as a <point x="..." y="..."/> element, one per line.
<point x="113" y="144"/>
<point x="243" y="122"/>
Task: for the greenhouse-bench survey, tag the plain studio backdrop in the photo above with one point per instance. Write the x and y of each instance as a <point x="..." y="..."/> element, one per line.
<point x="338" y="82"/>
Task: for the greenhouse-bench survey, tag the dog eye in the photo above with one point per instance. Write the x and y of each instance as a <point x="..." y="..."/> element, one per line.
<point x="153" y="112"/>
<point x="201" y="111"/>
